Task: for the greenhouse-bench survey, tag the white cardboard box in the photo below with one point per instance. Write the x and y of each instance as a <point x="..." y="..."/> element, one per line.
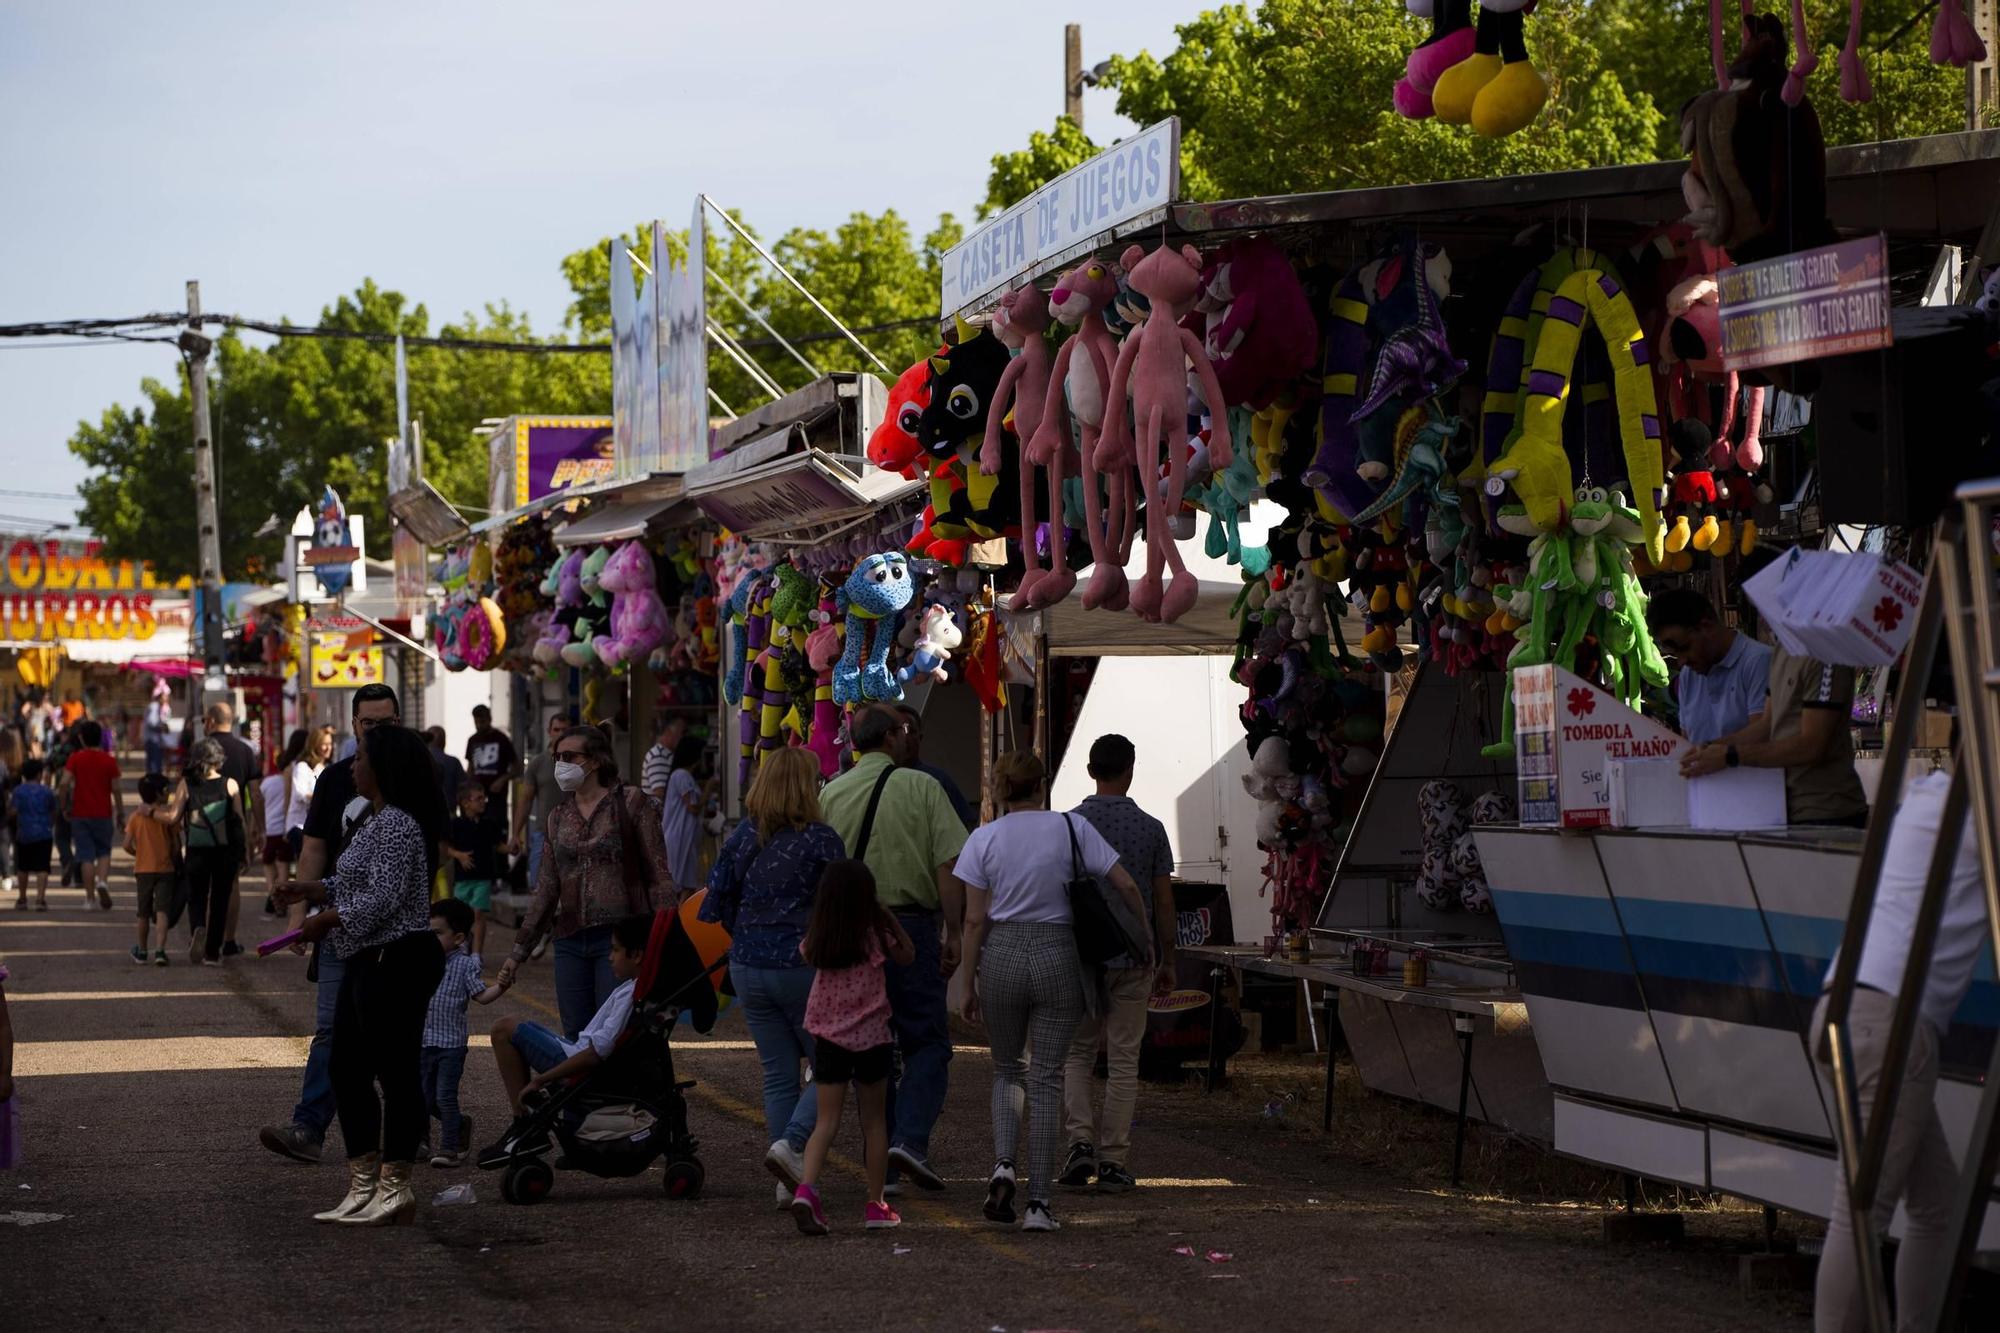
<point x="1738" y="798"/>
<point x="1648" y="793"/>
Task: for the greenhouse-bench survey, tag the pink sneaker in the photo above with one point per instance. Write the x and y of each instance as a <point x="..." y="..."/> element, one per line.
<point x="807" y="1212"/>
<point x="881" y="1217"/>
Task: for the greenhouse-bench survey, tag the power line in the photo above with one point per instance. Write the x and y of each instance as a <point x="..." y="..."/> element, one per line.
<point x="117" y="329"/>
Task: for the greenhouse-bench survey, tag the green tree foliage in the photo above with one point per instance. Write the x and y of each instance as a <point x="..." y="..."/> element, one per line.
<point x="307" y="412"/>
<point x="1295" y="96"/>
<point x="303" y="413"/>
<point x="870" y="270"/>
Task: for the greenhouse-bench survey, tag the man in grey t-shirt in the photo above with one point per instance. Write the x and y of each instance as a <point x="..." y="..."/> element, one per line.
<point x="534" y="797"/>
<point x="1141" y="843"/>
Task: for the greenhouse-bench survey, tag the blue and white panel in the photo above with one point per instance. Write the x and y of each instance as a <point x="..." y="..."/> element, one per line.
<point x="1572" y="966"/>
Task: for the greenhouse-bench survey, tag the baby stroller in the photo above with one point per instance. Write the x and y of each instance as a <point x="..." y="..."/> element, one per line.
<point x="617" y="1119"/>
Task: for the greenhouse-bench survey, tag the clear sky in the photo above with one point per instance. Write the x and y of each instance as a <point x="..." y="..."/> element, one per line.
<point x="455" y="151"/>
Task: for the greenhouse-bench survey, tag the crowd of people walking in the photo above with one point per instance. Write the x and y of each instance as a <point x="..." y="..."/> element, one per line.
<point x="851" y="905"/>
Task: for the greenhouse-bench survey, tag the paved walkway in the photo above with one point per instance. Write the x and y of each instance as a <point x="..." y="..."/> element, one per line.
<point x="146" y="1201"/>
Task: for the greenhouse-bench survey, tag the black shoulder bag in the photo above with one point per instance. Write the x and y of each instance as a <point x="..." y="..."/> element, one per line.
<point x="860" y="851"/>
<point x="1100" y="934"/>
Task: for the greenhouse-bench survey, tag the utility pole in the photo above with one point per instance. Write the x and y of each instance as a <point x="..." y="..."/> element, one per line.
<point x="1979" y="76"/>
<point x="1073" y="73"/>
<point x="194" y="345"/>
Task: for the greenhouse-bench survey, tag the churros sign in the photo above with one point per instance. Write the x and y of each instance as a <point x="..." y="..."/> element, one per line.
<point x="51" y="590"/>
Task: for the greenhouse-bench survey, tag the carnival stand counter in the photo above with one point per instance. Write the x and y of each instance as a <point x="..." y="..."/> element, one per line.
<point x="1671" y="974"/>
<point x="1418" y="1039"/>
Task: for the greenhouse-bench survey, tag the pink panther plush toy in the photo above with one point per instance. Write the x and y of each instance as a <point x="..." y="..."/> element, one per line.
<point x="1152" y="372"/>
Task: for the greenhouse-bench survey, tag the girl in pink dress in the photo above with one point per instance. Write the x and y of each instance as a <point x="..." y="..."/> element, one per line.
<point x="847" y="1015"/>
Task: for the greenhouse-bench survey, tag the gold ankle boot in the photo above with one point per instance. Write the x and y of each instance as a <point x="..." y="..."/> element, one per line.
<point x="394" y="1200"/>
<point x="362" y="1172"/>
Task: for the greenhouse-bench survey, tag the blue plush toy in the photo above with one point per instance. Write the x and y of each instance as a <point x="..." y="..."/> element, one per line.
<point x="878" y="588"/>
<point x="737" y="625"/>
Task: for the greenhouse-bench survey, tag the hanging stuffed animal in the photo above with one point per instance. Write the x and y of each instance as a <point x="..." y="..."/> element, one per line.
<point x="1451" y="41"/>
<point x="736" y="650"/>
<point x="566" y="576"/>
<point x="1019" y="322"/>
<point x="1756" y="177"/>
<point x="1694" y="495"/>
<point x="822" y="653"/>
<point x="1258" y="326"/>
<point x="1495" y="89"/>
<point x="1077" y="384"/>
<point x="874" y="593"/>
<point x="638" y="616"/>
<point x="482" y="633"/>
<point x="936" y="641"/>
<point x="1954" y="39"/>
<point x="1152" y="373"/>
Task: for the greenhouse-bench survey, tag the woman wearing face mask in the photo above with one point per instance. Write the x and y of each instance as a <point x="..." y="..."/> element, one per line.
<point x="603" y="859"/>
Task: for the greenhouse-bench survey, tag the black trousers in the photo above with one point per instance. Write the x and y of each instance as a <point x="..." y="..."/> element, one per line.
<point x="378" y="1038"/>
<point x="211" y="873"/>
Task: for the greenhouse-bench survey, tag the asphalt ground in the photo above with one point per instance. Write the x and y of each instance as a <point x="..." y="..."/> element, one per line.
<point x="145" y="1200"/>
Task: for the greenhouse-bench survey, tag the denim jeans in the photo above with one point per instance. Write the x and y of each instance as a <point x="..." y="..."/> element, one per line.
<point x="535" y="840"/>
<point x="443" y="1067"/>
<point x="314" y="1113"/>
<point x="583" y="977"/>
<point x="156" y="756"/>
<point x="774" y="1009"/>
<point x="923" y="1037"/>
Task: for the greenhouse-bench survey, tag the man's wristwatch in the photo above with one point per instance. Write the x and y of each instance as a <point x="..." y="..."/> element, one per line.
<point x="1730" y="758"/>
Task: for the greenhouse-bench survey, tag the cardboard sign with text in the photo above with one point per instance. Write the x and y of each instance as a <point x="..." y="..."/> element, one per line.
<point x="1568" y="733"/>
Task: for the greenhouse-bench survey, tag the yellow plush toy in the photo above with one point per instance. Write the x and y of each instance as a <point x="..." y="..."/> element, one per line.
<point x="1534" y="462"/>
<point x="1496" y="90"/>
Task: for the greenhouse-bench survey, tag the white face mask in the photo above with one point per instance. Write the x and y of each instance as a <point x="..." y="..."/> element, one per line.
<point x="570" y="776"/>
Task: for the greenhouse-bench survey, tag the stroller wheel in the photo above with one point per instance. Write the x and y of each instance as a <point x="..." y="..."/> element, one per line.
<point x="527" y="1182"/>
<point x="683" y="1178"/>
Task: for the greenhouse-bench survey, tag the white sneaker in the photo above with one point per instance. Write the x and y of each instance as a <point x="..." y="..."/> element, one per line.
<point x="785" y="1162"/>
<point x="1038" y="1218"/>
<point x="785" y="1193"/>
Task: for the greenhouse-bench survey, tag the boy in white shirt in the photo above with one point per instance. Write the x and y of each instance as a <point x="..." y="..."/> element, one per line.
<point x="532" y="1057"/>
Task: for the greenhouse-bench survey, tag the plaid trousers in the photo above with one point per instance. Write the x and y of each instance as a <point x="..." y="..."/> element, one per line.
<point x="1031" y="990"/>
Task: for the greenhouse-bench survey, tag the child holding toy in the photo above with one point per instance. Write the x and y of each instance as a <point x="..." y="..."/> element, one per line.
<point x="444" y="1028"/>
<point x="472" y="854"/>
<point x="850" y="938"/>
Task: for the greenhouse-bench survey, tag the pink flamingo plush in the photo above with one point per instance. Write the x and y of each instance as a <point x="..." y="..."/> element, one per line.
<point x="1152" y="371"/>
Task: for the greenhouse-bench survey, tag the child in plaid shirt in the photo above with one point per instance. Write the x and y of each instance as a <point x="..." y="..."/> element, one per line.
<point x="444" y="1029"/>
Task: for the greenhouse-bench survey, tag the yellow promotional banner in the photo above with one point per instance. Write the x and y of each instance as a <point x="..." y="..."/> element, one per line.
<point x="342" y="654"/>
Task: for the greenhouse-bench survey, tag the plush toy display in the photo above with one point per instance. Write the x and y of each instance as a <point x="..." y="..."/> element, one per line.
<point x="1495" y="89"/>
<point x="737" y="649"/>
<point x="822" y="653"/>
<point x="964" y="380"/>
<point x="567" y="577"/>
<point x="638" y="616"/>
<point x="1694" y="495"/>
<point x="877" y="590"/>
<point x="1020" y="322"/>
<point x="1152" y="373"/>
<point x="1077" y="389"/>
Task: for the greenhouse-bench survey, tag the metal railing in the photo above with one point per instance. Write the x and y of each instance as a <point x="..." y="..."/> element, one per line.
<point x="1959" y="608"/>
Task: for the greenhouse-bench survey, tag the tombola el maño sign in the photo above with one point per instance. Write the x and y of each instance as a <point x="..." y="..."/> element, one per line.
<point x="1568" y="733"/>
<point x="52" y="590"/>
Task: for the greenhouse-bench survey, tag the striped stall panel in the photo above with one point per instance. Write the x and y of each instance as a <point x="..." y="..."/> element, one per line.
<point x="1572" y="965"/>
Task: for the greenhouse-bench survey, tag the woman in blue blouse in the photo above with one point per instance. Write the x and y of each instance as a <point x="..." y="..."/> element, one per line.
<point x="378" y="923"/>
<point x="762" y="890"/>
